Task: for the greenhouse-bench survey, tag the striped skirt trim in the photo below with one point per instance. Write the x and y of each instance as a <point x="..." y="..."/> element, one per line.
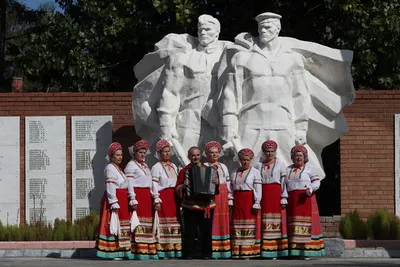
<point x="314" y="245"/>
<point x="221" y="245"/>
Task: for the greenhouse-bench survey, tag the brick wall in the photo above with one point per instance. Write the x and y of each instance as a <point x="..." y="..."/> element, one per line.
<point x="330" y="226"/>
<point x="69" y="104"/>
<point x="367" y="153"/>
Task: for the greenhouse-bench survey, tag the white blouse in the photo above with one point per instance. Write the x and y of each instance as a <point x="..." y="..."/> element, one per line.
<point x="139" y="175"/>
<point x="223" y="172"/>
<point x="301" y="178"/>
<point x="164" y="176"/>
<point x="245" y="181"/>
<point x="272" y="174"/>
<point x="115" y="179"/>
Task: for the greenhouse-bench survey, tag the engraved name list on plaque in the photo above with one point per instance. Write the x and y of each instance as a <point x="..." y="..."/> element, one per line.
<point x="45" y="167"/>
<point x="9" y="170"/>
<point x="91" y="136"/>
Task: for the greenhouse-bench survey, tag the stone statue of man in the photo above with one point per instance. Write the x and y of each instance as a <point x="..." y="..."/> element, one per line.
<point x="275" y="88"/>
<point x="175" y="83"/>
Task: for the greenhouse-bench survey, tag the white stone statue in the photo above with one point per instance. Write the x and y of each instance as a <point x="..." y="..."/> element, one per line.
<point x="282" y="89"/>
<point x="260" y="88"/>
<point x="174" y="84"/>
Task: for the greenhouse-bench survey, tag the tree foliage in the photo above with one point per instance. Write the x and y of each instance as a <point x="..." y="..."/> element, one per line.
<point x="16" y="19"/>
<point x="94" y="44"/>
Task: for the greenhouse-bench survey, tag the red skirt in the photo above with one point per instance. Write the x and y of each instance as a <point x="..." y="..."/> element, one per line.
<point x="299" y="217"/>
<point x="169" y="245"/>
<point x="144" y="243"/>
<point x="245" y="235"/>
<point x="274" y="232"/>
<point x="110" y="246"/>
<point x="221" y="245"/>
<point x="304" y="227"/>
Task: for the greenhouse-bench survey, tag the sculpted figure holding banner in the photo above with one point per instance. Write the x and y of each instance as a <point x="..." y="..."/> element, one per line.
<point x="283" y="89"/>
<point x="174" y="85"/>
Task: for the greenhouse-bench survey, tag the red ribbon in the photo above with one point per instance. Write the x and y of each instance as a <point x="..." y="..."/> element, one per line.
<point x="207" y="213"/>
<point x="297" y="168"/>
<point x="268" y="165"/>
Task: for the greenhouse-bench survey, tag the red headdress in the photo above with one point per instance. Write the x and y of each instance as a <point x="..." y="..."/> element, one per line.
<point x="301" y="149"/>
<point x="246" y="152"/>
<point x="269" y="143"/>
<point x="210" y="145"/>
<point x="114" y="147"/>
<point x="161" y="145"/>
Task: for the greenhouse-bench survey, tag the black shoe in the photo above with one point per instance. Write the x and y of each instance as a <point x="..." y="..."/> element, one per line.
<point x="206" y="258"/>
<point x="188" y="258"/>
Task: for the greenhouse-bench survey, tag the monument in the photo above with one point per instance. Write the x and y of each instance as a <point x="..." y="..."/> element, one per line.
<point x="265" y="87"/>
<point x="174" y="84"/>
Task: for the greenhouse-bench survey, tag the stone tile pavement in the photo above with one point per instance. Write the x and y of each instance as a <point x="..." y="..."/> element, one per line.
<point x="334" y="248"/>
<point x="40" y="262"/>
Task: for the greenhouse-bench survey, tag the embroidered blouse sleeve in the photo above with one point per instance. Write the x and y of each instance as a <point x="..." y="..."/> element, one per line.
<point x="257" y="189"/>
<point x="111" y="184"/>
<point x="258" y="166"/>
<point x="230" y="189"/>
<point x="283" y="172"/>
<point x="314" y="177"/>
<point x="156" y="176"/>
<point x="227" y="179"/>
<point x="129" y="172"/>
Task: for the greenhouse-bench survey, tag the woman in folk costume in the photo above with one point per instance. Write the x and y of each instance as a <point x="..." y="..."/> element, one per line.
<point x="221" y="244"/>
<point x="113" y="239"/>
<point x="273" y="215"/>
<point x="304" y="227"/>
<point x="245" y="201"/>
<point x="165" y="175"/>
<point x="139" y="176"/>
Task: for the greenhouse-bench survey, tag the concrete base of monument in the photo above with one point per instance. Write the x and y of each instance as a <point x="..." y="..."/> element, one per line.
<point x="49" y="249"/>
<point x="334" y="248"/>
<point x="371" y="249"/>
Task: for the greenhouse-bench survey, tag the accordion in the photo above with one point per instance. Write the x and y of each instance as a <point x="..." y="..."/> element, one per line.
<point x="201" y="181"/>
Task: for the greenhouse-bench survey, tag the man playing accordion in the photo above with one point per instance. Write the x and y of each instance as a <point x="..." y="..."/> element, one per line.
<point x="197" y="185"/>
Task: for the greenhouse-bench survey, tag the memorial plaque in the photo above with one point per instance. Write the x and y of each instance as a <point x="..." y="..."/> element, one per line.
<point x="45" y="212"/>
<point x="9" y="131"/>
<point x="91" y="137"/>
<point x="397" y="162"/>
<point x="9" y="170"/>
<point x="9" y="213"/>
<point x="45" y="167"/>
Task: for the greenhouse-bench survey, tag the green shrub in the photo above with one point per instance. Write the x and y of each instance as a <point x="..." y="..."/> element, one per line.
<point x="395" y="228"/>
<point x="60" y="230"/>
<point x="28" y="233"/>
<point x="82" y="229"/>
<point x="352" y="227"/>
<point x="1" y="231"/>
<point x="383" y="225"/>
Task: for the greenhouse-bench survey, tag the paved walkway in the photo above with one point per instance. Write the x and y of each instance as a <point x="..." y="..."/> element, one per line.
<point x="40" y="262"/>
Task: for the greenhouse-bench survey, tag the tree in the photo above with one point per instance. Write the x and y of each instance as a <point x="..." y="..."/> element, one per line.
<point x="94" y="45"/>
<point x="15" y="20"/>
<point x="372" y="30"/>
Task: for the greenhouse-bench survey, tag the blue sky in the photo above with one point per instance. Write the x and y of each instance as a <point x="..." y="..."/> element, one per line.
<point x="34" y="4"/>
